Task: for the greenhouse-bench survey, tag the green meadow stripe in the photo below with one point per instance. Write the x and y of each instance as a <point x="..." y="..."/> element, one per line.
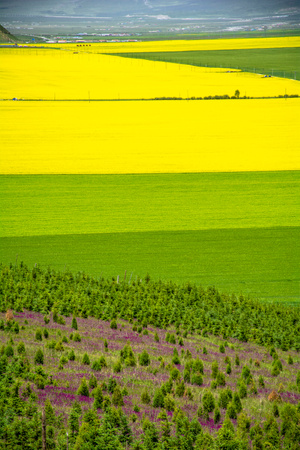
<point x="262" y="262"/>
<point x="33" y="205"/>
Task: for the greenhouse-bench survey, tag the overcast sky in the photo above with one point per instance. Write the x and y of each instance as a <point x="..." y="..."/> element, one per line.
<point x="171" y="7"/>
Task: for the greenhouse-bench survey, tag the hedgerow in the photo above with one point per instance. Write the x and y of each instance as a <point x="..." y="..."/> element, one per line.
<point x="188" y="307"/>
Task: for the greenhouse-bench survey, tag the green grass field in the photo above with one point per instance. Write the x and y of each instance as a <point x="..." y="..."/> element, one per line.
<point x="262" y="262"/>
<point x="237" y="231"/>
<point x="280" y="62"/>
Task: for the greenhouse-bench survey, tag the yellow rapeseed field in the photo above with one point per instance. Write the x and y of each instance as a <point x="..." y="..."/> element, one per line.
<point x="60" y="74"/>
<point x="187" y="45"/>
<point x="149" y="137"/>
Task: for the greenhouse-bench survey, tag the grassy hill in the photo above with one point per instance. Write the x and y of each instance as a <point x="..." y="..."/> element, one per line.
<point x="6" y="36"/>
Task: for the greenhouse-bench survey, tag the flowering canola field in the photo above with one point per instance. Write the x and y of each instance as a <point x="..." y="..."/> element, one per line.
<point x="231" y="230"/>
<point x="63" y="75"/>
<point x="188" y="45"/>
<point x="149" y="137"/>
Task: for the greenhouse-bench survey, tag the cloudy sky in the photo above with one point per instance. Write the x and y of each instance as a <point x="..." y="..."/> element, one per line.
<point x="170" y="7"/>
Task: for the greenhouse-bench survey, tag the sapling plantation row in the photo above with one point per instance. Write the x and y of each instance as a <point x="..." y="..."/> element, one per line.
<point x="98" y="364"/>
<point x="187" y="307"/>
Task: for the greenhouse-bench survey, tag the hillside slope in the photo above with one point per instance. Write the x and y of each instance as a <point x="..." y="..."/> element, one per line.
<point x="6" y="36"/>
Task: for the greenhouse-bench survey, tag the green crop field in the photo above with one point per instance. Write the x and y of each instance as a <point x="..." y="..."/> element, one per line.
<point x="281" y="62"/>
<point x="237" y="231"/>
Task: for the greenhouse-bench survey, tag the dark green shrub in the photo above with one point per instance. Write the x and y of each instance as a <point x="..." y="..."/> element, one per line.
<point x="261" y="381"/>
<point x="74" y="323"/>
<point x="180" y="389"/>
<point x="63" y="360"/>
<point x="246" y="372"/>
<point x="167" y="387"/>
<point x="86" y="359"/>
<point x="113" y="324"/>
<point x="61" y="320"/>
<point x="188" y="354"/>
<point x="169" y="403"/>
<point x="197" y="379"/>
<point x="106" y="403"/>
<point x="98" y="398"/>
<point x="102" y="361"/>
<point x="175" y="360"/>
<point x="220" y="380"/>
<point x="228" y="369"/>
<point x="39" y="357"/>
<point x="76" y="337"/>
<point x="15" y="328"/>
<point x="275" y="371"/>
<point x="117" y="398"/>
<point x="21" y="348"/>
<point x="83" y="388"/>
<point x="217" y="415"/>
<point x="224" y="399"/>
<point x="59" y="346"/>
<point x="277" y="363"/>
<point x="204" y="351"/>
<point x="208" y="401"/>
<point x="156" y="338"/>
<point x="71" y="355"/>
<point x="145" y="397"/>
<point x="189" y="394"/>
<point x="213" y="385"/>
<point x="172" y="339"/>
<point x="45" y="333"/>
<point x="290" y="360"/>
<point x="242" y="390"/>
<point x="158" y="400"/>
<point x="197" y="366"/>
<point x="187" y="376"/>
<point x="39" y="382"/>
<point x="222" y="348"/>
<point x="237" y="360"/>
<point x="117" y="368"/>
<point x="127" y="356"/>
<point x="231" y="411"/>
<point x="175" y="374"/>
<point x="275" y="410"/>
<point x="144" y="358"/>
<point x="51" y="345"/>
<point x="38" y="335"/>
<point x="214" y="369"/>
<point x="93" y="382"/>
<point x="9" y="351"/>
<point x="237" y="402"/>
<point x="204" y="441"/>
<point x="112" y="384"/>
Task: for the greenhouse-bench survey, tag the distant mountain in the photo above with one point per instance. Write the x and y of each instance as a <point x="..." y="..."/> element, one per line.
<point x="6" y="36"/>
<point x="171" y="8"/>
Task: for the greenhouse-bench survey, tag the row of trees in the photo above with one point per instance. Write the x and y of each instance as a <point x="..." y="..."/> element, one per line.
<point x="187" y="307"/>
